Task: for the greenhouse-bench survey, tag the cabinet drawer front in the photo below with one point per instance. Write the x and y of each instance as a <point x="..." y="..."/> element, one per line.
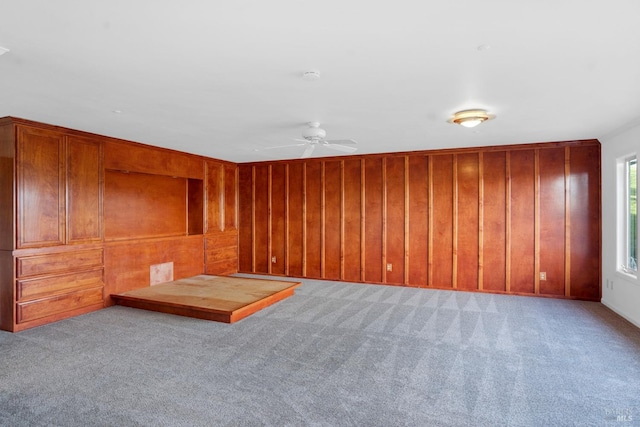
<point x="52" y="263"/>
<point x="32" y="310"/>
<point x="222" y="239"/>
<point x="43" y="287"/>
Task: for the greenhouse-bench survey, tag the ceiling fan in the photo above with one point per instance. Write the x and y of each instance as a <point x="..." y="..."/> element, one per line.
<point x="314" y="136"/>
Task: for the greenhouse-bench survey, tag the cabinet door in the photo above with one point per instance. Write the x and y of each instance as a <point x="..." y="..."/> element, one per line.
<point x="84" y="213"/>
<point x="40" y="176"/>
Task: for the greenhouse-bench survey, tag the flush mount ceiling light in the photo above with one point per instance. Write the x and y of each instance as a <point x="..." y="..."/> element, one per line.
<point x="311" y="75"/>
<point x="3" y="50"/>
<point x="470" y="118"/>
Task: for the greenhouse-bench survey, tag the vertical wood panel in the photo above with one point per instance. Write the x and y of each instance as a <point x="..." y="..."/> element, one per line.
<point x="373" y="219"/>
<point x="261" y="219"/>
<point x="442" y="231"/>
<point x="474" y="220"/>
<point x="395" y="218"/>
<point x="552" y="220"/>
<point x="230" y="197"/>
<point x="215" y="196"/>
<point x="245" y="237"/>
<point x="494" y="227"/>
<point x="278" y="217"/>
<point x="352" y="211"/>
<point x="333" y="219"/>
<point x="522" y="221"/>
<point x="41" y="186"/>
<point x="418" y="220"/>
<point x="313" y="219"/>
<point x="467" y="230"/>
<point x="295" y="254"/>
<point x="84" y="178"/>
<point x="585" y="222"/>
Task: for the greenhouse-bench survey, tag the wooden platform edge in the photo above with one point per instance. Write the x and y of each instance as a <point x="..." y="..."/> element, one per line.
<point x="209" y="313"/>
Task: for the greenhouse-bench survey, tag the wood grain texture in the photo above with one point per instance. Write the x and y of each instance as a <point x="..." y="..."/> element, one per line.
<point x="35" y="288"/>
<point x="552" y="220"/>
<point x="278" y="217"/>
<point x="7" y="158"/>
<point x="442" y="212"/>
<point x="494" y="221"/>
<point x="373" y="219"/>
<point x="352" y="217"/>
<point x="195" y="206"/>
<point x="230" y="197"/>
<point x="586" y="275"/>
<point x="313" y="224"/>
<point x="58" y="304"/>
<point x="221" y="299"/>
<point x="418" y="220"/>
<point x="468" y="221"/>
<point x="41" y="188"/>
<point x="262" y="219"/>
<point x="134" y="157"/>
<point x="221" y="252"/>
<point x="395" y="213"/>
<point x="333" y="190"/>
<point x="141" y="206"/>
<point x="245" y="208"/>
<point x="522" y="221"/>
<point x="52" y="263"/>
<point x="469" y="217"/>
<point x="215" y="197"/>
<point x="127" y="263"/>
<point x="84" y="176"/>
<point x="296" y="220"/>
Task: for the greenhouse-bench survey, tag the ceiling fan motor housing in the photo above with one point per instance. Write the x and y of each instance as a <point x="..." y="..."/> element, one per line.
<point x="314" y="132"/>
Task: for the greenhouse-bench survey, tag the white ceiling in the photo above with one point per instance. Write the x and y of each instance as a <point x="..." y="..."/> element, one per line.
<point x="223" y="78"/>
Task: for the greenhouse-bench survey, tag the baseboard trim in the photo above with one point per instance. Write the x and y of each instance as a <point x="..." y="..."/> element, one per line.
<point x="620" y="312"/>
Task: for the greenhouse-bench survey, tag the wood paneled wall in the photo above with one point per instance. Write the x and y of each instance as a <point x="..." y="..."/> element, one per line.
<point x="84" y="216"/>
<point x="490" y="219"/>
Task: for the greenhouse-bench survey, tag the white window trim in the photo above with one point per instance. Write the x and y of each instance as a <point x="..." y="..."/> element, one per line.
<point x="622" y="218"/>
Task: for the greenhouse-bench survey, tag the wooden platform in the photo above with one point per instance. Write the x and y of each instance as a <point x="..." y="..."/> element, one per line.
<point x="219" y="298"/>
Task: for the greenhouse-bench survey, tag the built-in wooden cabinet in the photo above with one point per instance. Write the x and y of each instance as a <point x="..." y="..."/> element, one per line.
<point x="520" y="219"/>
<point x="52" y="186"/>
<point x="84" y="216"/>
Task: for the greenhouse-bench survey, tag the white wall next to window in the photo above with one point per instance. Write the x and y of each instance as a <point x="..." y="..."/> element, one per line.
<point x="623" y="292"/>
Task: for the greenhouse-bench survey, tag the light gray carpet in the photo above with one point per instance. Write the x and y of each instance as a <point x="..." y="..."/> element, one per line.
<point x="334" y="354"/>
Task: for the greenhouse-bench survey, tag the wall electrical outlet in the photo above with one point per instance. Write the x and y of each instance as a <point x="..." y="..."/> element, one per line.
<point x="543" y="275"/>
<point x="273" y="260"/>
<point x="389" y="267"/>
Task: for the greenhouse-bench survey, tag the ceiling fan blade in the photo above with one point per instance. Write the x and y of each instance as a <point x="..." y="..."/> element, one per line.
<point x="280" y="146"/>
<point x="308" y="151"/>
<point x="341" y="148"/>
<point x="341" y="141"/>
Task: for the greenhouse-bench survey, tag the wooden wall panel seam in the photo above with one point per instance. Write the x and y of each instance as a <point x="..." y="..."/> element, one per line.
<point x="304" y="219"/>
<point x="286" y="220"/>
<point x="270" y="219"/>
<point x="430" y="220"/>
<point x="508" y="222"/>
<point x="407" y="220"/>
<point x="480" y="221"/>
<point x="536" y="226"/>
<point x="384" y="220"/>
<point x="253" y="219"/>
<point x="454" y="270"/>
<point x="567" y="219"/>
<point x="363" y="224"/>
<point x="342" y="219"/>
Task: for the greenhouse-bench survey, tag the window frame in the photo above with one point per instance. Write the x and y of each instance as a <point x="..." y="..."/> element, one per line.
<point x="625" y="242"/>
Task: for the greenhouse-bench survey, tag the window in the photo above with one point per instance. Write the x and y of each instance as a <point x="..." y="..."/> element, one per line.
<point x="628" y="244"/>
